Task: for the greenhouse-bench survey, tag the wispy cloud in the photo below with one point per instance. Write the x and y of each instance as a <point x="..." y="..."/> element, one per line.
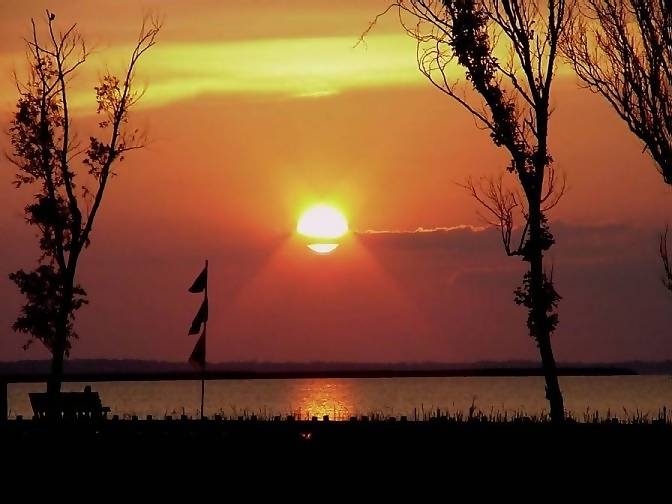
<point x="296" y="67"/>
<point x="290" y="67"/>
<point x="598" y="242"/>
<point x="462" y="238"/>
<point x="421" y="230"/>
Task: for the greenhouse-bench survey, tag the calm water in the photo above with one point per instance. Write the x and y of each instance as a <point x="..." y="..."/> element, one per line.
<point x="342" y="398"/>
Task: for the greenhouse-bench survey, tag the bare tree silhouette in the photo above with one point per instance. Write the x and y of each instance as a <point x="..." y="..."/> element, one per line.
<point x="49" y="158"/>
<point x="622" y="50"/>
<point x="508" y="95"/>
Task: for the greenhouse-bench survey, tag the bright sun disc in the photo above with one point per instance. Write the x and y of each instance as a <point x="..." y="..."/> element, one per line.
<point x="323" y="222"/>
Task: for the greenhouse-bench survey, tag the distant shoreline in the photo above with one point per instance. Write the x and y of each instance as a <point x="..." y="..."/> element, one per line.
<point x="130" y="370"/>
<point x="308" y="374"/>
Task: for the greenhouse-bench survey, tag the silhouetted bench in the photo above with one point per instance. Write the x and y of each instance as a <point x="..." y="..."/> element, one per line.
<point x="72" y="405"/>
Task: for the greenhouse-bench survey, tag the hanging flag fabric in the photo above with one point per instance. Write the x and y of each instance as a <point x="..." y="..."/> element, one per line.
<point x="200" y="318"/>
<point x="201" y="282"/>
<point x="197" y="358"/>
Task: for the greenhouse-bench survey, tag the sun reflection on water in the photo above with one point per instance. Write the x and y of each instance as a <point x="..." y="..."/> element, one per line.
<point x="323" y="397"/>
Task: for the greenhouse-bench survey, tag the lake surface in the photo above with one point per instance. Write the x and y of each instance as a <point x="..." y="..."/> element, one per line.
<point x="622" y="396"/>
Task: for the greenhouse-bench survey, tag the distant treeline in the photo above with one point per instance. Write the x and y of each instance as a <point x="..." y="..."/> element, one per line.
<point x="487" y="368"/>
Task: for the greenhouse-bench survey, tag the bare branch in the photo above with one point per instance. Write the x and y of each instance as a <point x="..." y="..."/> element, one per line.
<point x="115" y="101"/>
<point x="502" y="204"/>
<point x="622" y="50"/>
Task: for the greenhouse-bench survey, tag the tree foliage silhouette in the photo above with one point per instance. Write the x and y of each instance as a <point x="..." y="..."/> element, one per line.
<point x="69" y="180"/>
<point x="622" y="50"/>
<point x="510" y="96"/>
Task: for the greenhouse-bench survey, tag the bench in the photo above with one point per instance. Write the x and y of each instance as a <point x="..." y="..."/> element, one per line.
<point x="72" y="405"/>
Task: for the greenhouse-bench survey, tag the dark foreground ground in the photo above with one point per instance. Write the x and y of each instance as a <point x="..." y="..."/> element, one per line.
<point x="422" y="459"/>
<point x="358" y="436"/>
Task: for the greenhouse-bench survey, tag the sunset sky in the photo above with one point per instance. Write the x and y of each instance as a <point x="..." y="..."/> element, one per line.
<point x="257" y="110"/>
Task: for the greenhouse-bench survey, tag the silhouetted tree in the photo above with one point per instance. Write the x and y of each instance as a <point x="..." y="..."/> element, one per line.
<point x="68" y="180"/>
<point x="509" y="95"/>
<point x="622" y="50"/>
<point x="665" y="257"/>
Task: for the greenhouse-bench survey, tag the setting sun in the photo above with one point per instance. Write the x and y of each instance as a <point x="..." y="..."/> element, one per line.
<point x="322" y="222"/>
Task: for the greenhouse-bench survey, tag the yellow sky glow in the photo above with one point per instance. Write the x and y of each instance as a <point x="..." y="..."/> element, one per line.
<point x="291" y="67"/>
<point x="298" y="67"/>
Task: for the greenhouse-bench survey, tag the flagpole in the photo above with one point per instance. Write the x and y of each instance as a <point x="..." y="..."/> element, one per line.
<point x="205" y="335"/>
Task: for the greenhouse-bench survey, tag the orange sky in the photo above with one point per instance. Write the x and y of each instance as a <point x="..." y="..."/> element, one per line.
<point x="255" y="112"/>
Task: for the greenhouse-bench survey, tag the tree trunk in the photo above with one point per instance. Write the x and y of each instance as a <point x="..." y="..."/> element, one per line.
<point x="539" y="311"/>
<point x="55" y="377"/>
<point x="58" y="353"/>
<point x="553" y="392"/>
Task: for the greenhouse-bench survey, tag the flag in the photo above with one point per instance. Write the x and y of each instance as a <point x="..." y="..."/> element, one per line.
<point x="200" y="318"/>
<point x="197" y="358"/>
<point x="201" y="281"/>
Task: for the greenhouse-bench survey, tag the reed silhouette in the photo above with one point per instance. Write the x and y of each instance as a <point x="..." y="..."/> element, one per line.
<point x="69" y="182"/>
